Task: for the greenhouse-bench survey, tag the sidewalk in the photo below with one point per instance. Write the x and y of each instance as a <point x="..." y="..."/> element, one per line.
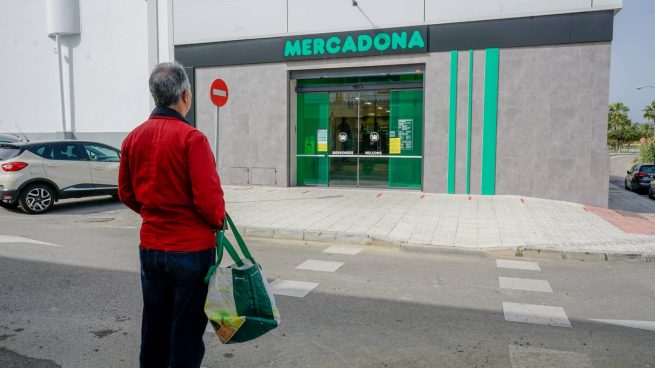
<point x="521" y="225"/>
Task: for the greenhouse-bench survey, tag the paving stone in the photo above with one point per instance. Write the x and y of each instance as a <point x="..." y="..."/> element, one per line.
<point x="438" y="219"/>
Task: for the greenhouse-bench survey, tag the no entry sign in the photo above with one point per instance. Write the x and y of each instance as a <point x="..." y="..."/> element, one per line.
<point x="218" y="92"/>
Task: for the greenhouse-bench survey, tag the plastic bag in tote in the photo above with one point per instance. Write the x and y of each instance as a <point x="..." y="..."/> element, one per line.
<point x="240" y="305"/>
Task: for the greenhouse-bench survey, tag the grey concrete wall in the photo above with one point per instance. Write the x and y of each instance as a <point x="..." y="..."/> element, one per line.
<point x="435" y="128"/>
<point x="257" y="126"/>
<point x="462" y="121"/>
<point x="476" y="121"/>
<point x="552" y="122"/>
<point x="253" y="127"/>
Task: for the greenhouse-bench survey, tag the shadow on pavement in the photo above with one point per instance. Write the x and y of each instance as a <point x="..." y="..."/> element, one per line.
<point x="85" y="317"/>
<point x="10" y="359"/>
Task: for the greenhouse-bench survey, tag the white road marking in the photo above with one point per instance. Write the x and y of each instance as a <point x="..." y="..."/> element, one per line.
<point x="335" y="249"/>
<point x="298" y="289"/>
<point x="322" y="266"/>
<point x="529" y="357"/>
<point x="20" y="239"/>
<point x="539" y="314"/>
<point x="642" y="325"/>
<point x="524" y="284"/>
<point x="518" y="265"/>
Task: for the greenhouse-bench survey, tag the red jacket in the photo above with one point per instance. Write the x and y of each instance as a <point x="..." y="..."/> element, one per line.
<point x="168" y="176"/>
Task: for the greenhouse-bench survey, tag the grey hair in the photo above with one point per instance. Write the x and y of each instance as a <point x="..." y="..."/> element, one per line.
<point x="167" y="83"/>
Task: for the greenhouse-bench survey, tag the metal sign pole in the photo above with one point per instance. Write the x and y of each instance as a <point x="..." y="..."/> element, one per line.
<point x="61" y="86"/>
<point x="218" y="109"/>
<point x="218" y="95"/>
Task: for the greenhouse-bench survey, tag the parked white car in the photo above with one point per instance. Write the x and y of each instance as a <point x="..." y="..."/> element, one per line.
<point x="35" y="175"/>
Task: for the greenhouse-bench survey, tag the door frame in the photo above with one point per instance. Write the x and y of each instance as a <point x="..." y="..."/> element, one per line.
<point x="292" y="107"/>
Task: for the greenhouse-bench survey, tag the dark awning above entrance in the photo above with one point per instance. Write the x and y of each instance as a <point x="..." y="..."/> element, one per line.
<point x="594" y="26"/>
<point x="358" y="72"/>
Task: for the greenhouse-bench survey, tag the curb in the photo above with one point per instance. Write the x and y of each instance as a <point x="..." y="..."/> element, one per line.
<point x="504" y="251"/>
<point x="308" y="235"/>
<point x="582" y="255"/>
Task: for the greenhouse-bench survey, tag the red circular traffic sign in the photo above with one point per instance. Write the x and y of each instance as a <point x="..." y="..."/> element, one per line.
<point x="218" y="92"/>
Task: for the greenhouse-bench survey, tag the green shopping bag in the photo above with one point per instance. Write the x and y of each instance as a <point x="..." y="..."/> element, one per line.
<point x="240" y="305"/>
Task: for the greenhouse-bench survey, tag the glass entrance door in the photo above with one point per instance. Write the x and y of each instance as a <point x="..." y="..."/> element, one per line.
<point x="343" y="140"/>
<point x="359" y="132"/>
<point x="366" y="138"/>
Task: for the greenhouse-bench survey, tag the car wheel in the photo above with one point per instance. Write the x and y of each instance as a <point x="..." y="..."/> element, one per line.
<point x="650" y="194"/>
<point x="37" y="198"/>
<point x="9" y="205"/>
<point x="625" y="184"/>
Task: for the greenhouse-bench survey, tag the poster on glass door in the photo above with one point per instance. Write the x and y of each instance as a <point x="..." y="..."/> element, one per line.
<point x="322" y="139"/>
<point x="406" y="133"/>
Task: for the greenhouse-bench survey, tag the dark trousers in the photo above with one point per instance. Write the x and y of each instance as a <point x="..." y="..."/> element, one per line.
<point x="174" y="320"/>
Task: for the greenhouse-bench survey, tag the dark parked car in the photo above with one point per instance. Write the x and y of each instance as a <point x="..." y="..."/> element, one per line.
<point x="651" y="189"/>
<point x="639" y="177"/>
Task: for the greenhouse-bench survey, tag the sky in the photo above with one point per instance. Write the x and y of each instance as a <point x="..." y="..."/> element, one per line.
<point x="633" y="56"/>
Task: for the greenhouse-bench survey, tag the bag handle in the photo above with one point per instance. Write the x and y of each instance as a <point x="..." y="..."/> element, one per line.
<point x="223" y="242"/>
<point x="240" y="242"/>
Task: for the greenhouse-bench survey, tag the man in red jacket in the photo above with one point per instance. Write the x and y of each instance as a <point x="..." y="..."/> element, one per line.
<point x="168" y="176"/>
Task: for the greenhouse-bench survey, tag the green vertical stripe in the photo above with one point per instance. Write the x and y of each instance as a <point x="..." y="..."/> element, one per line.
<point x="470" y="125"/>
<point x="489" y="122"/>
<point x="452" y="126"/>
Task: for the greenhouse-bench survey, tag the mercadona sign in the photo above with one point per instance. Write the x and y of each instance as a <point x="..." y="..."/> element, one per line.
<point x="348" y="44"/>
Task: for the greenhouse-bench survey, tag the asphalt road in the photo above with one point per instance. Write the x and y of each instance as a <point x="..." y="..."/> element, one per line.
<point x="75" y="302"/>
<point x="619" y="197"/>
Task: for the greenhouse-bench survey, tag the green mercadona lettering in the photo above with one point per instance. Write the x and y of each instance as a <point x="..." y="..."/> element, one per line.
<point x="354" y="44"/>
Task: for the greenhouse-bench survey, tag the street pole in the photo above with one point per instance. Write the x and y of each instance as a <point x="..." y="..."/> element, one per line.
<point x="61" y="85"/>
<point x="218" y="109"/>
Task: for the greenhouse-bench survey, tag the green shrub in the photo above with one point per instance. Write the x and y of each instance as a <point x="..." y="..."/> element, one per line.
<point x="647" y="152"/>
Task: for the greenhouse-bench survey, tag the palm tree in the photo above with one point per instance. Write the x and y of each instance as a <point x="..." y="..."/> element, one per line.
<point x="649" y="113"/>
<point x="617" y="116"/>
<point x="618" y="123"/>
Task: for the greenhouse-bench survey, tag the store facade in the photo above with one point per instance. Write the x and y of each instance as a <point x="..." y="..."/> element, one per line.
<point x="504" y="106"/>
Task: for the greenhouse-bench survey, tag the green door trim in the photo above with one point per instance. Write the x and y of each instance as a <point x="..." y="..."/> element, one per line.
<point x="309" y="157"/>
<point x="490" y="121"/>
<point x="452" y="125"/>
<point x="469" y="128"/>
